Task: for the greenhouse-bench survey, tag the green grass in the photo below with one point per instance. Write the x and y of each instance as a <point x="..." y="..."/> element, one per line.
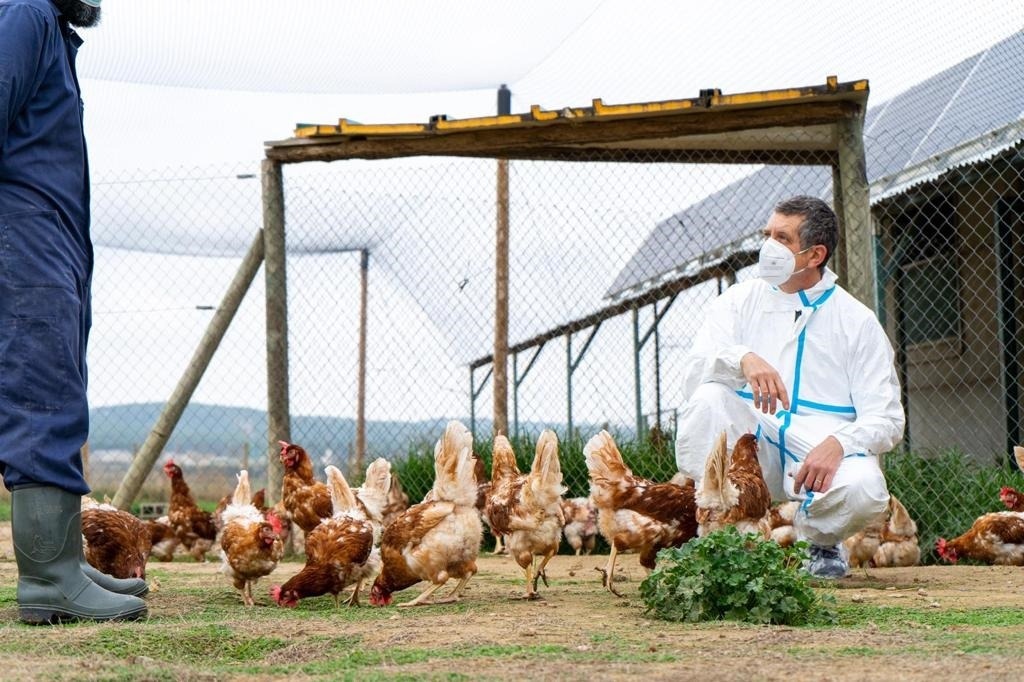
<point x="893" y="617"/>
<point x="215" y="643"/>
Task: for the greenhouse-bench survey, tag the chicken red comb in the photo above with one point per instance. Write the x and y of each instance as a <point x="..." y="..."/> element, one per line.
<point x="1009" y="497"/>
<point x="169" y="463"/>
<point x="275" y="521"/>
<point x="275" y="593"/>
<point x="945" y="551"/>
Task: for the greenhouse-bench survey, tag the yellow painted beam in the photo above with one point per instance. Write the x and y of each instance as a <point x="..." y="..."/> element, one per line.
<point x="352" y="128"/>
<point x="599" y="110"/>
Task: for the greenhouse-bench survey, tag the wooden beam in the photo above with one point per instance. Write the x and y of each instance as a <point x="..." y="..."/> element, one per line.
<point x="522" y="141"/>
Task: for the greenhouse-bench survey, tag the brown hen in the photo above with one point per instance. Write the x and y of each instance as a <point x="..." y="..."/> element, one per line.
<point x="634" y="513"/>
<point x="339" y="551"/>
<point x="996" y="538"/>
<point x="116" y="542"/>
<point x="527" y="510"/>
<point x="307" y="500"/>
<point x="733" y="492"/>
<point x="436" y="540"/>
<point x="193" y="526"/>
<point x="250" y="544"/>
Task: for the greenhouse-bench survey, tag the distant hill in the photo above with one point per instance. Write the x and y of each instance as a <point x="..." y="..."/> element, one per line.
<point x="218" y="429"/>
<point x="221" y="430"/>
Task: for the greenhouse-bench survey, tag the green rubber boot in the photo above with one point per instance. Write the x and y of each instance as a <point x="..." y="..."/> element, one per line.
<point x="46" y="523"/>
<point x="136" y="587"/>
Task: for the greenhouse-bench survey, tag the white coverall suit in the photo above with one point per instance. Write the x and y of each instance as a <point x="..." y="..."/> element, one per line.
<point x="837" y="364"/>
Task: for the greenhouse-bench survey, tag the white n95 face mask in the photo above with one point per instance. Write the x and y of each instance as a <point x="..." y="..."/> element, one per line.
<point x="776" y="263"/>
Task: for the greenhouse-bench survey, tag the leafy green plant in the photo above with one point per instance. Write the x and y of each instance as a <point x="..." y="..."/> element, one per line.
<point x="728" y="576"/>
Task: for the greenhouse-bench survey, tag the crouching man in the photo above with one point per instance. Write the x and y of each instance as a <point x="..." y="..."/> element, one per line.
<point x="794" y="358"/>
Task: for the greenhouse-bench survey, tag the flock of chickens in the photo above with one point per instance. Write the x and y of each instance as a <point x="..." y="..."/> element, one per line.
<point x="370" y="533"/>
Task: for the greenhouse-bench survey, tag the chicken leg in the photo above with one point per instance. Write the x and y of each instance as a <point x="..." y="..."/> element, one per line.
<point x="424" y="597"/>
<point x="354" y="599"/>
<point x="541" y="573"/>
<point x="608" y="574"/>
<point x="531" y="582"/>
<point x="247" y="599"/>
<point x="455" y="594"/>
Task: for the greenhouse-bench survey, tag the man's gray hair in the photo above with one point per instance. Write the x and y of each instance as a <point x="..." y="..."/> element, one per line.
<point x="819" y="224"/>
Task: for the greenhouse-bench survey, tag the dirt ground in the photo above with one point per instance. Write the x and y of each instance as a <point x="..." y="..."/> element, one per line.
<point x="921" y="622"/>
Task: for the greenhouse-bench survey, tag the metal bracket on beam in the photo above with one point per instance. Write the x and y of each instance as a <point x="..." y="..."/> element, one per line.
<point x="517" y="380"/>
<point x="638" y="343"/>
<point x="571" y="364"/>
<point x="474" y="393"/>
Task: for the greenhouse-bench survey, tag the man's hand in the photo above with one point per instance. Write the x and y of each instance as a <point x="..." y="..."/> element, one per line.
<point x="765" y="382"/>
<point x="820" y="467"/>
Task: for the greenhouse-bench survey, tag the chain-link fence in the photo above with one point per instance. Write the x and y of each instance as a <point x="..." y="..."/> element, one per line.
<point x="611" y="267"/>
<point x="949" y="276"/>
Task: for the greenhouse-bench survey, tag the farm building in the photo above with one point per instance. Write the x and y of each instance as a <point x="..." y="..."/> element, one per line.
<point x="946" y="175"/>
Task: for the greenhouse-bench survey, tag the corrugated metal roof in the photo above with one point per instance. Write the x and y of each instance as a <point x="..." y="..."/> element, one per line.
<point x="960" y="116"/>
<point x="715" y="227"/>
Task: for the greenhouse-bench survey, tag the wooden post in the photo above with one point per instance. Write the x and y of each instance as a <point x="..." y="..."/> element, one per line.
<point x="501" y="304"/>
<point x="154" y="444"/>
<point x="500" y="424"/>
<point x="278" y="418"/>
<point x="359" y="460"/>
<point x="853" y="208"/>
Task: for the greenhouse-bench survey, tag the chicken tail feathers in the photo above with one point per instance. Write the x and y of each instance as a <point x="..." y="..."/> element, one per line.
<point x="546" y="472"/>
<point x="503" y="460"/>
<point x="454" y="479"/>
<point x="374" y="491"/>
<point x="712" y="489"/>
<point x="378" y="476"/>
<point x="242" y="495"/>
<point x="342" y="497"/>
<point x="604" y="461"/>
<point x="900" y="522"/>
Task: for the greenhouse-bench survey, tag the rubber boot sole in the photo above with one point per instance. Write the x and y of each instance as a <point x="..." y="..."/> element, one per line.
<point x="47" y="615"/>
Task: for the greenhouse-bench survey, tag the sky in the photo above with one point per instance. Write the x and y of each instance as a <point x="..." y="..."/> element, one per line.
<point x="181" y="96"/>
<point x="192" y="82"/>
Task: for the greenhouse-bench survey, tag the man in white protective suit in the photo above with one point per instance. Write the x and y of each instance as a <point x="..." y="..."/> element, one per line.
<point x="795" y="359"/>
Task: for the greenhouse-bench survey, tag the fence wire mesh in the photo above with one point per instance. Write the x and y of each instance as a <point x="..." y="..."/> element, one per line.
<point x="611" y="267"/>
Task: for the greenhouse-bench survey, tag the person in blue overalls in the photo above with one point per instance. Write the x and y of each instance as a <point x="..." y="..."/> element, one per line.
<point x="45" y="272"/>
<point x="794" y="358"/>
